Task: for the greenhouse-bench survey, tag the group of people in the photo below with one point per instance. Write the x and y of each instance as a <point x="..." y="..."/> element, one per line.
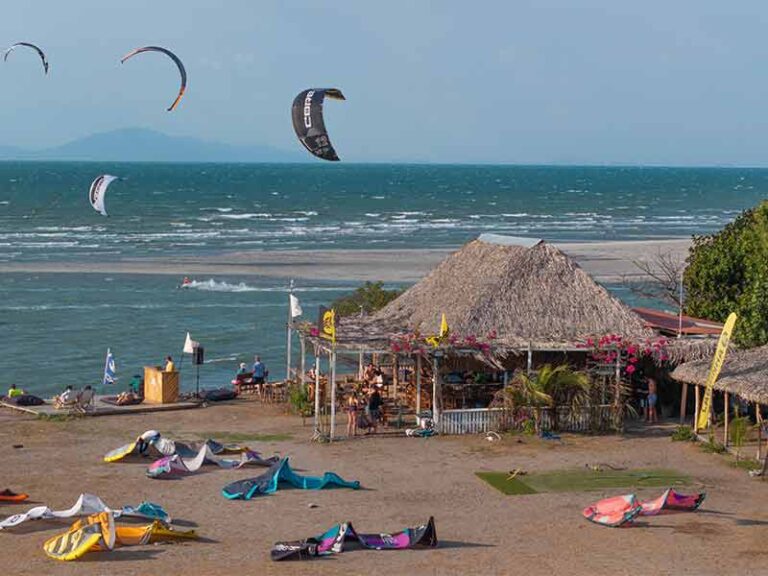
<point x="364" y="410"/>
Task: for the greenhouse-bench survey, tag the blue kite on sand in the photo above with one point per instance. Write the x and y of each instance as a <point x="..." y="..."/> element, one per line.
<point x="280" y="471"/>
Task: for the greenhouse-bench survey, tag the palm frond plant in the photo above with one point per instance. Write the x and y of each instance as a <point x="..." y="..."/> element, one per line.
<point x="550" y="387"/>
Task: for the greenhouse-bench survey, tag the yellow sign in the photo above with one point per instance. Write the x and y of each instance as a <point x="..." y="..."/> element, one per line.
<point x="329" y="325"/>
<point x="717" y="364"/>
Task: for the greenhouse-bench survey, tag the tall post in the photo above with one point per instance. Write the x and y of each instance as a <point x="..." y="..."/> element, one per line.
<point x="759" y="421"/>
<point x="680" y="317"/>
<point x="683" y="403"/>
<point x="418" y="385"/>
<point x="332" y="381"/>
<point x="530" y="359"/>
<point x="725" y="429"/>
<point x="435" y="376"/>
<point x="317" y="389"/>
<point x="696" y="409"/>
<point x="303" y="361"/>
<point x="288" y="343"/>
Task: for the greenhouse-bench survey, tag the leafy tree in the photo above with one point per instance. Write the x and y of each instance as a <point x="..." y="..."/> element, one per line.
<point x="728" y="272"/>
<point x="372" y="296"/>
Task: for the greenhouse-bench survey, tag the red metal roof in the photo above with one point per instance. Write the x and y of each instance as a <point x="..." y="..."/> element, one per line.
<point x="669" y="323"/>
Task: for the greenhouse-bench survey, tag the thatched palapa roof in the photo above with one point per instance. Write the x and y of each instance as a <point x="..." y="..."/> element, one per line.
<point x="525" y="290"/>
<point x="745" y="374"/>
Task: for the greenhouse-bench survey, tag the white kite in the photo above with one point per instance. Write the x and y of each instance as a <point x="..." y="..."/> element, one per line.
<point x="97" y="192"/>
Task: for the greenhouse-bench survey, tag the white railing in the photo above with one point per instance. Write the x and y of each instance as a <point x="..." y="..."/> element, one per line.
<point x="479" y="420"/>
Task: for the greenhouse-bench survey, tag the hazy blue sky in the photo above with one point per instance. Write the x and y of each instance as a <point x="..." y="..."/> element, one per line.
<point x="539" y="81"/>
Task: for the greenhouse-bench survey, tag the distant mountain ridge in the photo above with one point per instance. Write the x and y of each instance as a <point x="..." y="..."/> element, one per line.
<point x="145" y="145"/>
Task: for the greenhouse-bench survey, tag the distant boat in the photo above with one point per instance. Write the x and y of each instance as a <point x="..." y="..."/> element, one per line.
<point x="186" y="283"/>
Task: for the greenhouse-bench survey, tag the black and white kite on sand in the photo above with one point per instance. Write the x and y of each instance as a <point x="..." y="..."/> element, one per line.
<point x="33" y="47"/>
<point x="97" y="192"/>
<point x="307" y="115"/>
<point x="172" y="56"/>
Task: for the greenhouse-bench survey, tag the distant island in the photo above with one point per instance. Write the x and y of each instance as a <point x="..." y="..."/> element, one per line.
<point x="145" y="145"/>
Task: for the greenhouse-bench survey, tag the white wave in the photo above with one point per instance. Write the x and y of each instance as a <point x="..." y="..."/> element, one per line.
<point x="307" y="212"/>
<point x="214" y="286"/>
<point x="372" y="214"/>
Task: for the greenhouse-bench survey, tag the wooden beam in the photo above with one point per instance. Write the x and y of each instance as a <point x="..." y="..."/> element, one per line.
<point x="697" y="406"/>
<point x="418" y="385"/>
<point x="317" y="391"/>
<point x="332" y="381"/>
<point x="683" y="403"/>
<point x="725" y="429"/>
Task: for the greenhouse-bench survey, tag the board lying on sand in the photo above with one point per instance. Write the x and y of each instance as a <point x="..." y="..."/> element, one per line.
<point x="99" y="532"/>
<point x="9" y="495"/>
<point x="334" y="540"/>
<point x="279" y="472"/>
<point x="176" y="465"/>
<point x="86" y="505"/>
<point x="620" y="510"/>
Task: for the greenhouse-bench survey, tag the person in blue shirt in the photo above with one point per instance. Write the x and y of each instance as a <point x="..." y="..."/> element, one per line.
<point x="259" y="371"/>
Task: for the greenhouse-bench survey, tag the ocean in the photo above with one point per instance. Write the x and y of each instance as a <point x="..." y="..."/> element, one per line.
<point x="55" y="328"/>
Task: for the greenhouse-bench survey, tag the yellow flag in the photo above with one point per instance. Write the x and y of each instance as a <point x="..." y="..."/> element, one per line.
<point x="714" y="371"/>
<point x="329" y="325"/>
<point x="443" y="327"/>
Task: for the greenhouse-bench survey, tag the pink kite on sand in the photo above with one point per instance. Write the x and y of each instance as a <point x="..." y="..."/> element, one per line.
<point x="621" y="510"/>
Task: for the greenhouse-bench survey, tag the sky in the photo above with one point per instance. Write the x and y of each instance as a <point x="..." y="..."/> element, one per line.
<point x="523" y="82"/>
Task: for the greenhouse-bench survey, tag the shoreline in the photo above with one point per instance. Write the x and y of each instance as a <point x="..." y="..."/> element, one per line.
<point x="605" y="261"/>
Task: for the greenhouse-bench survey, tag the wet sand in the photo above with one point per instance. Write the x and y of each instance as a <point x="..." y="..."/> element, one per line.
<point x="607" y="262"/>
<point x="405" y="481"/>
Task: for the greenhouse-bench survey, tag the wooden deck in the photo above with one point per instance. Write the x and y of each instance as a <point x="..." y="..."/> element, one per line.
<point x="102" y="408"/>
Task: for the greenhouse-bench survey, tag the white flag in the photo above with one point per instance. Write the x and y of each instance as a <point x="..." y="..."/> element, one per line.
<point x="190" y="345"/>
<point x="295" y="306"/>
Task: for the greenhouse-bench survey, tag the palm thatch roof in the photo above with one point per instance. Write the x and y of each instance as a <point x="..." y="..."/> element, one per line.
<point x="527" y="292"/>
<point x="745" y="374"/>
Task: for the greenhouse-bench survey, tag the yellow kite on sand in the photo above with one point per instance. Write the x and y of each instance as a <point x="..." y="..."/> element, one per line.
<point x="99" y="532"/>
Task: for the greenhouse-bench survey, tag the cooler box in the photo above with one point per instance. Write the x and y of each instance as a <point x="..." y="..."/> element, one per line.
<point x="160" y="387"/>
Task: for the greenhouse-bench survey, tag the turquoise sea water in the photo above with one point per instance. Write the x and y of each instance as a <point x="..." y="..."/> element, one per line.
<point x="66" y="321"/>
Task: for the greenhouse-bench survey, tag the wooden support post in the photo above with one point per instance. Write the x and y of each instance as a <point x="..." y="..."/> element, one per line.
<point x="435" y="377"/>
<point x="759" y="421"/>
<point x="683" y="403"/>
<point x="697" y="406"/>
<point x="302" y="378"/>
<point x="529" y="367"/>
<point x="418" y="385"/>
<point x="725" y="429"/>
<point x="332" y="381"/>
<point x="317" y="390"/>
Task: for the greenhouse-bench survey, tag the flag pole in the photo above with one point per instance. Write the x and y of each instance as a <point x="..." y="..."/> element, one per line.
<point x="106" y="366"/>
<point x="288" y="343"/>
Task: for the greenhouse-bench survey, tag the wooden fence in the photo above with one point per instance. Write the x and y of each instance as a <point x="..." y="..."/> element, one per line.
<point x="478" y="420"/>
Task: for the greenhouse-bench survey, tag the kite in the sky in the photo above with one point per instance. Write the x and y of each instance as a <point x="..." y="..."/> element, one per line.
<point x="28" y="45"/>
<point x="307" y="114"/>
<point x="172" y="56"/>
<point x="98" y="190"/>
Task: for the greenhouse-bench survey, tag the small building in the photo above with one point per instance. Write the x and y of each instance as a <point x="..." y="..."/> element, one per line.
<point x="510" y="304"/>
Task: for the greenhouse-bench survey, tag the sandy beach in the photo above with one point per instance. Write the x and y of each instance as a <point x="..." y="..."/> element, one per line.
<point x="405" y="481"/>
<point x="606" y="261"/>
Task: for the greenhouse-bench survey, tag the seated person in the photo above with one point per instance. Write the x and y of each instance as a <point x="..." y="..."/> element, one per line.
<point x="85" y="396"/>
<point x="125" y="398"/>
<point x="137" y="385"/>
<point x="242" y="370"/>
<point x="68" y="397"/>
<point x="14" y="392"/>
<point x="169" y="365"/>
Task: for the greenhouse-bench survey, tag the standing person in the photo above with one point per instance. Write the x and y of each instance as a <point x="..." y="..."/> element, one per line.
<point x="169" y="365"/>
<point x="653" y="399"/>
<point x="259" y="371"/>
<point x="351" y="408"/>
<point x="374" y="408"/>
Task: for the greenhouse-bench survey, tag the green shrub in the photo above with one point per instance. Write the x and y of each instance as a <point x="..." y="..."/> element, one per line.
<point x="683" y="434"/>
